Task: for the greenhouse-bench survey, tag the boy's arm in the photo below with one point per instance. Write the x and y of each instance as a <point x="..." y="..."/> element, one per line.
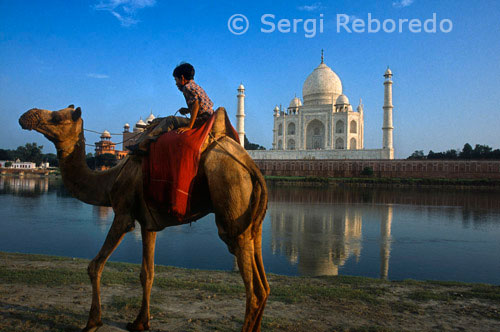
<point x="193" y="110"/>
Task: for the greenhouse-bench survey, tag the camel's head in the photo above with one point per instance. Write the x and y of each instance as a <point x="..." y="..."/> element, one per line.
<point x="63" y="127"/>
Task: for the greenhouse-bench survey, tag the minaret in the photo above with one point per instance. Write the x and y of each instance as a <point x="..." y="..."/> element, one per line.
<point x="240" y="115"/>
<point x="361" y="124"/>
<point x="387" y="126"/>
<point x="275" y="130"/>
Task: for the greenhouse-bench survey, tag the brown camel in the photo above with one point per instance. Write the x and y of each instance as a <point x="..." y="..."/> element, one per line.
<point x="228" y="184"/>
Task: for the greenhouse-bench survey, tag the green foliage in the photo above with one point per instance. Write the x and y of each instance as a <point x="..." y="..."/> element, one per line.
<point x="419" y="154"/>
<point x="252" y="146"/>
<point x="30" y="152"/>
<point x="479" y="152"/>
<point x="8" y="164"/>
<point x="90" y="160"/>
<point x="51" y="158"/>
<point x="5" y="154"/>
<point x="106" y="159"/>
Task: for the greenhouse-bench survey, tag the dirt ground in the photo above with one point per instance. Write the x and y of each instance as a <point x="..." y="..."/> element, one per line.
<point x="43" y="293"/>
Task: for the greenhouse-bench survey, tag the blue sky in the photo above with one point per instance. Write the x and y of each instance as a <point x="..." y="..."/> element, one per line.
<point x="114" y="59"/>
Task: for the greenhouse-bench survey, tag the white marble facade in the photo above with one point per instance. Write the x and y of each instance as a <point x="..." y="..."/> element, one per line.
<point x="325" y="125"/>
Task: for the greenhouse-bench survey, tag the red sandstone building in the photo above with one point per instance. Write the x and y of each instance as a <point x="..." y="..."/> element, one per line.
<point x="105" y="146"/>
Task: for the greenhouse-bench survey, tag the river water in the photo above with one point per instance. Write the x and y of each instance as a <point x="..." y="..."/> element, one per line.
<point x="423" y="234"/>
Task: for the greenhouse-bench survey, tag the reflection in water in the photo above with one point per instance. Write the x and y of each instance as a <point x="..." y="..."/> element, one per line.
<point x="103" y="216"/>
<point x="395" y="233"/>
<point x="22" y="186"/>
<point x="321" y="238"/>
<point x="385" y="241"/>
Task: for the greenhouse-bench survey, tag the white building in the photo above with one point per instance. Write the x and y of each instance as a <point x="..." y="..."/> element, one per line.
<point x="23" y="165"/>
<point x="129" y="138"/>
<point x="325" y="125"/>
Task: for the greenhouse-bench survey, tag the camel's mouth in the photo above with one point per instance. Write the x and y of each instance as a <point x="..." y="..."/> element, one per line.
<point x="29" y="120"/>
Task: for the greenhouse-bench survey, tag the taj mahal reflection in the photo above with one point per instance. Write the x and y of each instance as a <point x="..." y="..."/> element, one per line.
<point x="320" y="238"/>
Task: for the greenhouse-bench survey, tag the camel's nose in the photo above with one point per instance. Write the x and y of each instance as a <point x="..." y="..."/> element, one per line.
<point x="29" y="119"/>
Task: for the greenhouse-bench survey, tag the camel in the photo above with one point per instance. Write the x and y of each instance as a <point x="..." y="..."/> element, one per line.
<point x="228" y="184"/>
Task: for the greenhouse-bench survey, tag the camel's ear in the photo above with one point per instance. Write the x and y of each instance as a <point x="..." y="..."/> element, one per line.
<point x="71" y="106"/>
<point x="76" y="114"/>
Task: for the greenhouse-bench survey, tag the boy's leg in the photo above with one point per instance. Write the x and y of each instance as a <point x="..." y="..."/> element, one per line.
<point x="155" y="130"/>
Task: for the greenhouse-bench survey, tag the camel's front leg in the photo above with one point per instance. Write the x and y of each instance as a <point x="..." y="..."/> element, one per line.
<point x="121" y="225"/>
<point x="147" y="276"/>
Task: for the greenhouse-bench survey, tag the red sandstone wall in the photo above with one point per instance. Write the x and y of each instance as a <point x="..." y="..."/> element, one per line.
<point x="383" y="168"/>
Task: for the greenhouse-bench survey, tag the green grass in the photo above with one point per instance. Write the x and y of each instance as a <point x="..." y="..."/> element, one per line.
<point x="375" y="180"/>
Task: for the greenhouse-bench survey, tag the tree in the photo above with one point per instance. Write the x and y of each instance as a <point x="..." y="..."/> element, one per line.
<point x="481" y="151"/>
<point x="5" y="154"/>
<point x="418" y="154"/>
<point x="451" y="154"/>
<point x="252" y="146"/>
<point x="8" y="164"/>
<point x="30" y="152"/>
<point x="466" y="152"/>
<point x="106" y="159"/>
<point x="51" y="158"/>
<point x="90" y="159"/>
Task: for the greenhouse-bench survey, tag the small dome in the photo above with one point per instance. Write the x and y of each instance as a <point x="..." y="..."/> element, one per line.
<point x="106" y="134"/>
<point x="320" y="85"/>
<point x="296" y="102"/>
<point x="126" y="125"/>
<point x="342" y="100"/>
<point x="388" y="72"/>
<point x="276" y="109"/>
<point x="241" y="87"/>
<point x="140" y="123"/>
<point x="150" y="118"/>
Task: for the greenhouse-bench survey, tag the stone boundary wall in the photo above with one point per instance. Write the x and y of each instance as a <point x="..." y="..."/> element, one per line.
<point x="451" y="169"/>
<point x="364" y="154"/>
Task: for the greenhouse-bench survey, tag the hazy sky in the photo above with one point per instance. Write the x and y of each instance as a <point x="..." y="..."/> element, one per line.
<point x="114" y="59"/>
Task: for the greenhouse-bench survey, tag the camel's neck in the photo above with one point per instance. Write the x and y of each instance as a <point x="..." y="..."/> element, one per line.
<point x="92" y="187"/>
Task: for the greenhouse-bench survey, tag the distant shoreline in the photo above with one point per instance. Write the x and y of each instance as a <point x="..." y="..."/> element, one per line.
<point x="314" y="181"/>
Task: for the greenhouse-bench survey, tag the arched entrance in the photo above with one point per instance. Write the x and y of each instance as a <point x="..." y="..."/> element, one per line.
<point x="315" y="135"/>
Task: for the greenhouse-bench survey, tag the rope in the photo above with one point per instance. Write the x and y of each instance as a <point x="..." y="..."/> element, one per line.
<point x="229" y="153"/>
<point x="97" y="132"/>
<point x="114" y="134"/>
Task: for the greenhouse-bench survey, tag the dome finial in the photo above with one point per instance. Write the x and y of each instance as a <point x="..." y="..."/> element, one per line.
<point x="322" y="56"/>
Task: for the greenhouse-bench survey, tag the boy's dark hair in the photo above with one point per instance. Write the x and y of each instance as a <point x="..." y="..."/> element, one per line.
<point x="184" y="69"/>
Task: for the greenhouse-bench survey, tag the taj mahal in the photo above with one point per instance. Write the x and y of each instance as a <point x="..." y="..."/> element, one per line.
<point x="324" y="125"/>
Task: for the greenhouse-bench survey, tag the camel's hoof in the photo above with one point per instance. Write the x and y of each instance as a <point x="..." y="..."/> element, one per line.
<point x="92" y="328"/>
<point x="137" y="327"/>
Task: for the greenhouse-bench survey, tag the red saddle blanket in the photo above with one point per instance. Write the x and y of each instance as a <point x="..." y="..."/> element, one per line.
<point x="169" y="169"/>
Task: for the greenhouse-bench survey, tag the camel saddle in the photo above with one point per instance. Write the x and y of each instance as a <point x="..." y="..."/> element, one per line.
<point x="172" y="163"/>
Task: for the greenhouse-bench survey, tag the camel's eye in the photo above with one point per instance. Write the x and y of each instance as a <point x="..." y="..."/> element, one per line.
<point x="56" y="118"/>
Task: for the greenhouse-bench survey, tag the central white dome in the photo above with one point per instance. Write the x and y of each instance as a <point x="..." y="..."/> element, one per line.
<point x="322" y="86"/>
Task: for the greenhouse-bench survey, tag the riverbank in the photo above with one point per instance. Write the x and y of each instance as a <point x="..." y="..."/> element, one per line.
<point x="46" y="293"/>
<point x="312" y="181"/>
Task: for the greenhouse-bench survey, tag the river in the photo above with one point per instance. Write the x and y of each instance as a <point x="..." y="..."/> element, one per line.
<point x="423" y="234"/>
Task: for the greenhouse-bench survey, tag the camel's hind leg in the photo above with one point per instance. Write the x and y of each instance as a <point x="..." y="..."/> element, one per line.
<point x="121" y="225"/>
<point x="147" y="275"/>
<point x="248" y="253"/>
